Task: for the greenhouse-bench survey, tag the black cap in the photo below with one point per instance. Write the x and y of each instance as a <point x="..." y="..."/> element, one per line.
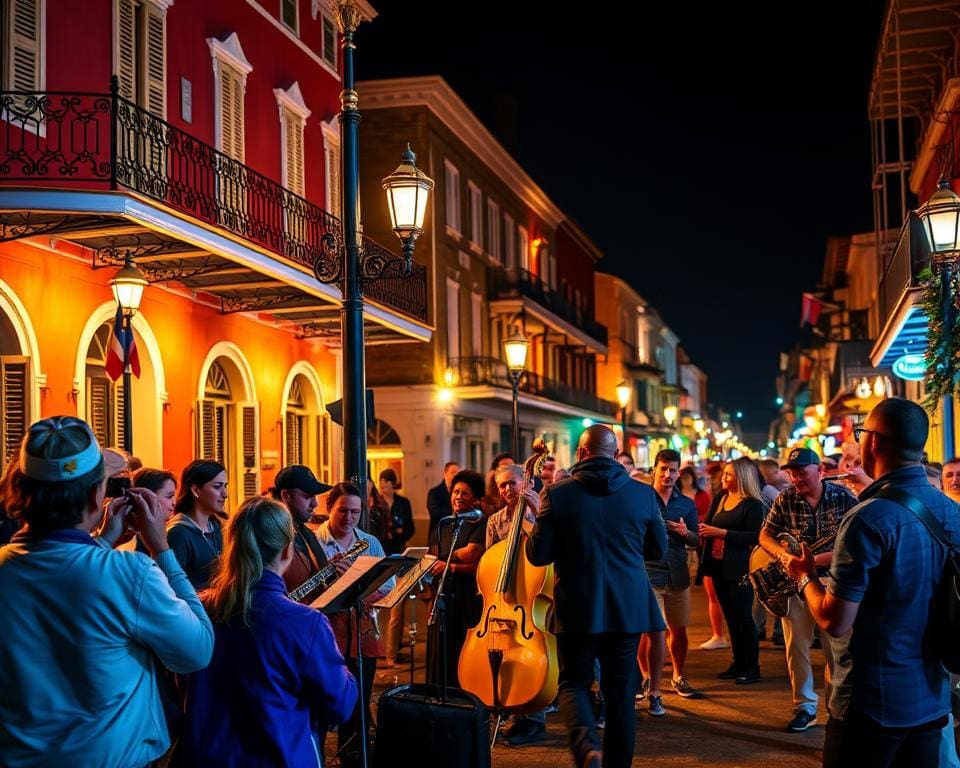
<point x="301" y="478"/>
<point x="801" y="457"/>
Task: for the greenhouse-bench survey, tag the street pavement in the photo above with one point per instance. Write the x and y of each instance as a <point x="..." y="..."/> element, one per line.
<point x="731" y="725"/>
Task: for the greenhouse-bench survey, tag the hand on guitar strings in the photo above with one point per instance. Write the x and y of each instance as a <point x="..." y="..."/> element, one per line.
<point x="798" y="566"/>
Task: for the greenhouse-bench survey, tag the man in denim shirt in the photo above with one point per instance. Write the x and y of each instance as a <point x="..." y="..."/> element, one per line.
<point x="885" y="568"/>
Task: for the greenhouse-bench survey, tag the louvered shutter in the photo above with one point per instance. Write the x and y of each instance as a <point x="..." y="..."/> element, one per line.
<point x="292" y="439"/>
<point x="116" y="434"/>
<point x="206" y="429"/>
<point x="154" y="63"/>
<point x="126" y="64"/>
<point x="13" y="396"/>
<point x="333" y="179"/>
<point x="324" y="449"/>
<point x="293" y="129"/>
<point x="249" y="445"/>
<point x="24" y="56"/>
<point x="231" y="118"/>
<point x="98" y="400"/>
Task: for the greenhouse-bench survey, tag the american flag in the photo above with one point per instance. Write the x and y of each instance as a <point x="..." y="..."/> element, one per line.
<point x="121" y="339"/>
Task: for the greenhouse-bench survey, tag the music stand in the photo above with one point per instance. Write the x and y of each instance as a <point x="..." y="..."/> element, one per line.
<point x="351" y="598"/>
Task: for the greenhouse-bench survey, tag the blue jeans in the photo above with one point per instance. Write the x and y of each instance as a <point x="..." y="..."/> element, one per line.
<point x="617" y="654"/>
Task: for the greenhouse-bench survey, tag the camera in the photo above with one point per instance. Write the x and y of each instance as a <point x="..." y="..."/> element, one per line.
<point x="117" y="486"/>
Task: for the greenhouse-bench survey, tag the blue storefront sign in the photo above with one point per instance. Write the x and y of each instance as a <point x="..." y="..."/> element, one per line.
<point x="910" y="367"/>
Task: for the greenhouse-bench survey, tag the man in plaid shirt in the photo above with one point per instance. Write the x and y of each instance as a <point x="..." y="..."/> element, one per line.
<point x="809" y="510"/>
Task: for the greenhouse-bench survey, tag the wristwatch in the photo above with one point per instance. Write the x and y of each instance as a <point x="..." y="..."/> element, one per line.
<point x="801" y="585"/>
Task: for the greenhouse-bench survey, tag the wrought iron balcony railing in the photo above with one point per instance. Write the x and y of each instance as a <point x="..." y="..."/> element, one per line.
<point x="473" y="371"/>
<point x="104" y="141"/>
<point x="508" y="284"/>
<point x="901" y="265"/>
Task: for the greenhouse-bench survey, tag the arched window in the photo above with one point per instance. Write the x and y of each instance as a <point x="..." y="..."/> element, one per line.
<point x="307" y="437"/>
<point x="104" y="397"/>
<point x="14" y="393"/>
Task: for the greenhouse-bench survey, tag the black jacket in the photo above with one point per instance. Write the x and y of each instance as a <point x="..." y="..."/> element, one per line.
<point x="597" y="527"/>
<point x="438" y="505"/>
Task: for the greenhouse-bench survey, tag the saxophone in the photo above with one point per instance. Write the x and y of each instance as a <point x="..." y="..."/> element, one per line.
<point x="328" y="574"/>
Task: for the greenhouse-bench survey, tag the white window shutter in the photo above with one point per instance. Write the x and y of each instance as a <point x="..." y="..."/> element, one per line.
<point x="333" y="179"/>
<point x="13" y="398"/>
<point x="126" y="64"/>
<point x="293" y="131"/>
<point x="231" y="118"/>
<point x="25" y="53"/>
<point x="249" y="468"/>
<point x="206" y="429"/>
<point x="154" y="71"/>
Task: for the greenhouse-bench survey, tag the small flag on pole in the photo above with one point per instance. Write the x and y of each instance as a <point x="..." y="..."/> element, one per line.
<point x="121" y="339"/>
<point x="810" y="309"/>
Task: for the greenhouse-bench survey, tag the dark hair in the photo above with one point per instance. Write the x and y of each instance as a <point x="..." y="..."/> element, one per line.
<point x="692" y="474"/>
<point x="953" y="460"/>
<point x="153" y="479"/>
<point x="772" y="463"/>
<point x="474" y="480"/>
<point x="668" y="456"/>
<point x="51" y="505"/>
<point x="904" y="426"/>
<point x="391" y="477"/>
<point x="342" y="489"/>
<point x="450" y="464"/>
<point x="500" y="457"/>
<point x="624" y="454"/>
<point x="199" y="473"/>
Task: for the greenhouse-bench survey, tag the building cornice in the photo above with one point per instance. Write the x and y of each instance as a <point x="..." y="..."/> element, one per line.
<point x="436" y="95"/>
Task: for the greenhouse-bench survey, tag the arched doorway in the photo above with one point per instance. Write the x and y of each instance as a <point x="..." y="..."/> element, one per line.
<point x="228" y="421"/>
<point x="306" y="425"/>
<point x="20" y="377"/>
<point x="384" y="450"/>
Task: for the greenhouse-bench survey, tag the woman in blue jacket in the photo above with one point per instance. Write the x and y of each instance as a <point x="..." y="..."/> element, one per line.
<point x="276" y="673"/>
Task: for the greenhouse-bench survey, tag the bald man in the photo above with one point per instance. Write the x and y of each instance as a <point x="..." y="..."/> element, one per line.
<point x="598" y="530"/>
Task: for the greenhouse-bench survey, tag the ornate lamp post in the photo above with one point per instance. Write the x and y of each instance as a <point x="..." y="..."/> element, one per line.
<point x="127" y="286"/>
<point x="515" y="349"/>
<point x="344" y="260"/>
<point x="940" y="216"/>
<point x="624" y="390"/>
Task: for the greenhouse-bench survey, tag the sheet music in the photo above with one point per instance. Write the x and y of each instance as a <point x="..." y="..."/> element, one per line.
<point x="359" y="567"/>
<point x="406" y="583"/>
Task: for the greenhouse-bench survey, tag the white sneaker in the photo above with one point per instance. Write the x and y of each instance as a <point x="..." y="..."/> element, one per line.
<point x="714" y="644"/>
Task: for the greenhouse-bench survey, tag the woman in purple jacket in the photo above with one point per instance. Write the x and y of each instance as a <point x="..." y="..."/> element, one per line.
<point x="276" y="676"/>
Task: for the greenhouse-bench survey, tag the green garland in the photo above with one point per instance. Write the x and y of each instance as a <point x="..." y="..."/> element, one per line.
<point x="942" y="346"/>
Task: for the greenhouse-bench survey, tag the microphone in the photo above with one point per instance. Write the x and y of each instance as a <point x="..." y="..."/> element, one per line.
<point x="471" y="516"/>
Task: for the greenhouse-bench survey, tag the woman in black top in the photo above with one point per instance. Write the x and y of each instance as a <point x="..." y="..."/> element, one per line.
<point x="729" y="534"/>
<point x="194" y="532"/>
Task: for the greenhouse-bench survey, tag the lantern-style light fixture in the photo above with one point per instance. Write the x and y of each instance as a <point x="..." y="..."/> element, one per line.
<point x="941" y="218"/>
<point x="516" y="348"/>
<point x="127" y="286"/>
<point x="624" y="390"/>
<point x="408" y="189"/>
<point x="670" y="414"/>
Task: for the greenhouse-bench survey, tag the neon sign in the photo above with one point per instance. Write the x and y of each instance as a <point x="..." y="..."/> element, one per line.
<point x="910" y="367"/>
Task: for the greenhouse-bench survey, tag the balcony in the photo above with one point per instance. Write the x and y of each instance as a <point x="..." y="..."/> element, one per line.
<point x="518" y="283"/>
<point x="104" y="143"/>
<point x="490" y="371"/>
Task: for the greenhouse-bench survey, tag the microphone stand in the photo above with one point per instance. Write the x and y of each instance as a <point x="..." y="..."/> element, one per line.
<point x="439" y="610"/>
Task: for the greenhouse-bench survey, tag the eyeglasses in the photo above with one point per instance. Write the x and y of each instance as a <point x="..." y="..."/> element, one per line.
<point x="858" y="431"/>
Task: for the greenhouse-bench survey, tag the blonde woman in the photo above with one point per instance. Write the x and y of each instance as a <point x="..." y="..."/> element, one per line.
<point x="731" y="530"/>
<point x="276" y="668"/>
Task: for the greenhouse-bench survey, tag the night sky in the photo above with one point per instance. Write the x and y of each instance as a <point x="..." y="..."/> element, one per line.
<point x="708" y="162"/>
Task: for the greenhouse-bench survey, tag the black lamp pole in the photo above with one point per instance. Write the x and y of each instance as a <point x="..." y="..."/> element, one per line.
<point x="946" y="283"/>
<point x="127" y="388"/>
<point x="515" y="423"/>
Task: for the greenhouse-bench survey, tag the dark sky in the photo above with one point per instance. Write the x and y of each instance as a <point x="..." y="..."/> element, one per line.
<point x="708" y="162"/>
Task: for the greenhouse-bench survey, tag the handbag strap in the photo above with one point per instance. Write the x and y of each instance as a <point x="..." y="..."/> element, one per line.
<point x="911" y="502"/>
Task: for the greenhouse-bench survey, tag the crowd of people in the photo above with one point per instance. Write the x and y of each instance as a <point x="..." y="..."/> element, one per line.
<point x="146" y="625"/>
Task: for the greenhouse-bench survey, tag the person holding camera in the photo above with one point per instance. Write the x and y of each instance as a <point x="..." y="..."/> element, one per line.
<point x="81" y="625"/>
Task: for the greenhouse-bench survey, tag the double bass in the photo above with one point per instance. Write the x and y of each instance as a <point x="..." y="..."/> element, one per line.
<point x="509" y="659"/>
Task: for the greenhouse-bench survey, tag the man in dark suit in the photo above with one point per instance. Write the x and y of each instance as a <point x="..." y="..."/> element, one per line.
<point x="598" y="527"/>
<point x="438" y="497"/>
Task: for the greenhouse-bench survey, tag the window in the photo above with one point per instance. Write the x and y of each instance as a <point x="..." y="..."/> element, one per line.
<point x="524" y="246"/>
<point x="230" y="68"/>
<point x="293" y="118"/>
<point x="476" y="324"/>
<point x="329" y="51"/>
<point x="306" y="434"/>
<point x="140" y="53"/>
<point x="331" y="164"/>
<point x="288" y="13"/>
<point x="452" y="196"/>
<point x="476" y="216"/>
<point x="13" y="399"/>
<point x="22" y="43"/>
<point x="104" y="397"/>
<point x="510" y="241"/>
<point x="453" y="319"/>
<point x="493" y="231"/>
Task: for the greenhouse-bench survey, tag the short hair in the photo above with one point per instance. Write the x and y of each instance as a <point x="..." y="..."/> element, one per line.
<point x="514" y="469"/>
<point x="153" y="479"/>
<point x="954" y="460"/>
<point x="450" y="464"/>
<point x="904" y="426"/>
<point x="342" y="489"/>
<point x="199" y="473"/>
<point x="51" y="505"/>
<point x="769" y="464"/>
<point x="625" y="455"/>
<point x="501" y="456"/>
<point x="667" y="456"/>
<point x="390" y="476"/>
<point x="473" y="480"/>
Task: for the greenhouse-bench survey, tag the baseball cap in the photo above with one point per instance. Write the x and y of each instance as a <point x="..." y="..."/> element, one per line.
<point x="66" y="467"/>
<point x="301" y="478"/>
<point x="801" y="457"/>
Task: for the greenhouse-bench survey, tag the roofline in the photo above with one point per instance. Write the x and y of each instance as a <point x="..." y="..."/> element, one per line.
<point x="582" y="239"/>
<point x="434" y="93"/>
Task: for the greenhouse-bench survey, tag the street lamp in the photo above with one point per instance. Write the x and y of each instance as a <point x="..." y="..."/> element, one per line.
<point x="940" y="216"/>
<point x="515" y="349"/>
<point x="344" y="260"/>
<point x="624" y="390"/>
<point x="670" y="414"/>
<point x="127" y="286"/>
